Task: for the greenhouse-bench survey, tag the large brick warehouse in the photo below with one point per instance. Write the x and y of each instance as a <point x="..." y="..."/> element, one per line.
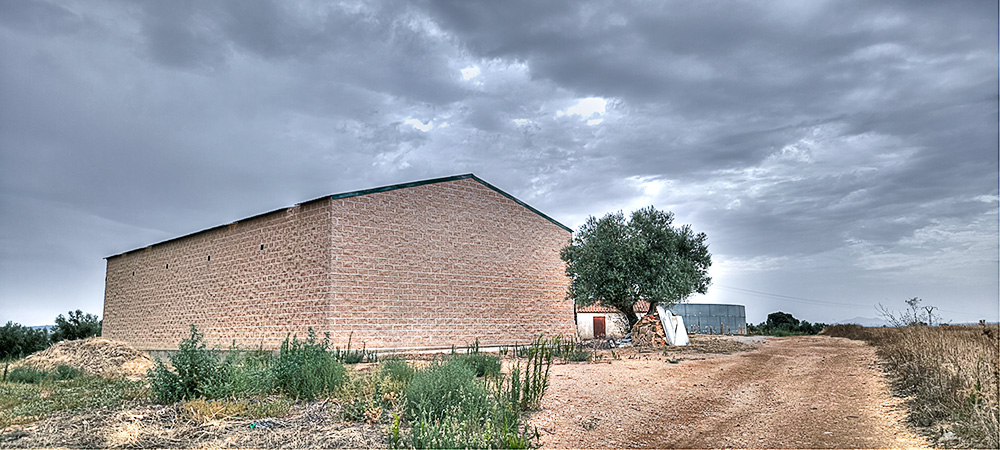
<point x="427" y="264"/>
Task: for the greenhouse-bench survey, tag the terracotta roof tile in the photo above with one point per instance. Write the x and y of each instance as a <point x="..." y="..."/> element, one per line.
<point x="640" y="308"/>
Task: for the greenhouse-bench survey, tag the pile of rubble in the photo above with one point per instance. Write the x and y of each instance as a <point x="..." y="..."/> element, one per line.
<point x="648" y="332"/>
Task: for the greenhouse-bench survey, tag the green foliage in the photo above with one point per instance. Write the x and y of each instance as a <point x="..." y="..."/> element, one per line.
<point x="579" y="355"/>
<point x="355" y="356"/>
<point x="370" y="397"/>
<point x="31" y="375"/>
<point x="617" y="263"/>
<point x="23" y="403"/>
<point x="77" y="326"/>
<point x="165" y="384"/>
<point x="245" y="374"/>
<point x="17" y="341"/>
<point x="27" y="375"/>
<point x="482" y="364"/>
<point x="64" y="372"/>
<point x="784" y="324"/>
<point x="196" y="372"/>
<point x="781" y="319"/>
<point x="306" y="369"/>
<point x="449" y="407"/>
<point x="397" y="369"/>
<point x="526" y="386"/>
<point x="443" y="389"/>
<point x="196" y="366"/>
<point x="303" y="369"/>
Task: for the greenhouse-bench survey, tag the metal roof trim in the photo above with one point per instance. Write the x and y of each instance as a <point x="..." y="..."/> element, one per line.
<point x="375" y="190"/>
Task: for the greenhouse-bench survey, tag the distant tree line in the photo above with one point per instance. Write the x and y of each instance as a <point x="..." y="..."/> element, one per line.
<point x="17" y="340"/>
<point x="784" y="324"/>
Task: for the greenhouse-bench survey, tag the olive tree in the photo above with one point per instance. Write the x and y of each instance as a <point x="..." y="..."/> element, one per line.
<point x="77" y="326"/>
<point x="616" y="263"/>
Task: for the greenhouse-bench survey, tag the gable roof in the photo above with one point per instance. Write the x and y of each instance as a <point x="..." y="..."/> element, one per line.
<point x="366" y="192"/>
<point x="640" y="307"/>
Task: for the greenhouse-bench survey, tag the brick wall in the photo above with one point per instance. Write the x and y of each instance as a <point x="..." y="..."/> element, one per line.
<point x="433" y="265"/>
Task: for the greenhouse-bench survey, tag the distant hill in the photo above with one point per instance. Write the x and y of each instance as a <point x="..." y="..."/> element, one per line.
<point x="43" y="327"/>
<point x="864" y="321"/>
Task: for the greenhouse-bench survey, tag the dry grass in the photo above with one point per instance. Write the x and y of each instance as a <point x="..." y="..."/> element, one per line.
<point x="97" y="356"/>
<point x="950" y="374"/>
<point x="201" y="410"/>
<point x="307" y="425"/>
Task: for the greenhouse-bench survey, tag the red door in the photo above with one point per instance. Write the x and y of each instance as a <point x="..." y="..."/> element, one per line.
<point x="599" y="328"/>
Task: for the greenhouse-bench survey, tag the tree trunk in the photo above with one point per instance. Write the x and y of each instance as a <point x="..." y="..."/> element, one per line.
<point x="630" y="315"/>
<point x="652" y="308"/>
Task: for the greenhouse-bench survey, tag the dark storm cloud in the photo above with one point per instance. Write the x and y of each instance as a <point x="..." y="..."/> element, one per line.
<point x="811" y="140"/>
<point x="344" y="44"/>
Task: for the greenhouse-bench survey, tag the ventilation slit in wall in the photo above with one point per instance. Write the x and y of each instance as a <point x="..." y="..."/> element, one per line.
<point x="262" y="246"/>
<point x="168" y="266"/>
<point x="209" y="257"/>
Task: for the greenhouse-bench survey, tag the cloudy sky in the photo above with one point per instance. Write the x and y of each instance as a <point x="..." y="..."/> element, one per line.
<point x="838" y="154"/>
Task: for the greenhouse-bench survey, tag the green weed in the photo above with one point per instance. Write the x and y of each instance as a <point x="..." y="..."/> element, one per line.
<point x="397" y="369"/>
<point x="305" y="369"/>
<point x="483" y="364"/>
<point x="355" y="356"/>
<point x="24" y="403"/>
<point x="26" y="375"/>
<point x="196" y="372"/>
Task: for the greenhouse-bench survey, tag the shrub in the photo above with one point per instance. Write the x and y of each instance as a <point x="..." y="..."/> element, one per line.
<point x="244" y="374"/>
<point x="482" y="364"/>
<point x="64" y="372"/>
<point x="850" y="331"/>
<point x="397" y="369"/>
<point x="355" y="356"/>
<point x="526" y="388"/>
<point x="166" y="385"/>
<point x="27" y="375"/>
<point x="443" y="389"/>
<point x="198" y="372"/>
<point x="305" y="369"/>
<point x="783" y="324"/>
<point x="449" y="408"/>
<point x="370" y="397"/>
<point x="579" y="355"/>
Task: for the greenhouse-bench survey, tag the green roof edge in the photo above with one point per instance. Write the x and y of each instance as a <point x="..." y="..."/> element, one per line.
<point x="365" y="192"/>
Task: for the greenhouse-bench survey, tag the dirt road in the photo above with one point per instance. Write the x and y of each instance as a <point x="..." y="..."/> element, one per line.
<point x="797" y="392"/>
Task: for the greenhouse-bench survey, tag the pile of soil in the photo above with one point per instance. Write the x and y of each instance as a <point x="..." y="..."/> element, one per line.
<point x="96" y="355"/>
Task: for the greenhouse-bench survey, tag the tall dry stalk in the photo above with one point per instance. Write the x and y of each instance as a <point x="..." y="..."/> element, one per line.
<point x="950" y="374"/>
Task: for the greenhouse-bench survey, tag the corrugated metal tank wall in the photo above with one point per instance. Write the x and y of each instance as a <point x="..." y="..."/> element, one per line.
<point x="711" y="318"/>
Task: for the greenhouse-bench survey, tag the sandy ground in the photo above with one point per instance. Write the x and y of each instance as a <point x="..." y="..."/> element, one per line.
<point x="797" y="392"/>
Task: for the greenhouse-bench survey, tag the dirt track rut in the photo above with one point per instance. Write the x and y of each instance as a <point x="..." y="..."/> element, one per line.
<point x="798" y="392"/>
